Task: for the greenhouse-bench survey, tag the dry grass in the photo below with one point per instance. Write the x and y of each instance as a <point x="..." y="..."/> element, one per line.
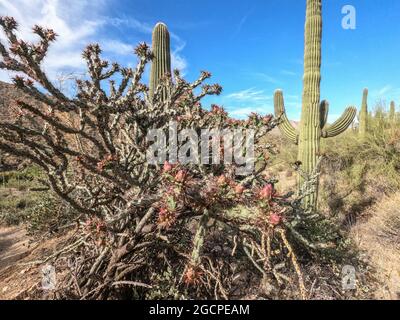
<point x="379" y="238"/>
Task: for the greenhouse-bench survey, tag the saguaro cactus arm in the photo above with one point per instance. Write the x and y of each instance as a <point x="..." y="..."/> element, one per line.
<point x="284" y="125"/>
<point x="323" y="113"/>
<point x="341" y="124"/>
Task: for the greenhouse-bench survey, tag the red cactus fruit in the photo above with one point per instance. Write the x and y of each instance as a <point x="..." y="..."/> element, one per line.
<point x="166" y="218"/>
<point x="274" y="219"/>
<point x="239" y="189"/>
<point x="267" y="192"/>
<point x="180" y="176"/>
<point x="192" y="276"/>
<point x="221" y="180"/>
<point x="167" y="167"/>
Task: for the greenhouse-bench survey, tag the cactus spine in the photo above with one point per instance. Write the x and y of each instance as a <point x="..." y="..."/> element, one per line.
<point x="314" y="113"/>
<point x="363" y="118"/>
<point x="161" y="63"/>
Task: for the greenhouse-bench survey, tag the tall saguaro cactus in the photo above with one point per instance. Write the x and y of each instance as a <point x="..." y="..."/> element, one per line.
<point x="161" y="63"/>
<point x="363" y="129"/>
<point x="392" y="111"/>
<point x="314" y="112"/>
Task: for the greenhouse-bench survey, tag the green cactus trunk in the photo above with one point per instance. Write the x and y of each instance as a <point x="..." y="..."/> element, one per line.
<point x="314" y="112"/>
<point x="392" y="112"/>
<point x="310" y="133"/>
<point x="364" y="115"/>
<point x="161" y="63"/>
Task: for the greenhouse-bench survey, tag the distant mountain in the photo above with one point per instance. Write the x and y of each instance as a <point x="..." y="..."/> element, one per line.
<point x="277" y="132"/>
<point x="8" y="95"/>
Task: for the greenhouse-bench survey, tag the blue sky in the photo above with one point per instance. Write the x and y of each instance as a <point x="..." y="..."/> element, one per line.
<point x="250" y="47"/>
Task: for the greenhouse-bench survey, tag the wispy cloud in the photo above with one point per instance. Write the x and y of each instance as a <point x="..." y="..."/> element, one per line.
<point x="249" y="95"/>
<point x="129" y="22"/>
<point x="288" y="73"/>
<point x="246" y="111"/>
<point x="241" y="103"/>
<point x="384" y="90"/>
<point x="388" y="92"/>
<point x="264" y="77"/>
<point x="242" y="22"/>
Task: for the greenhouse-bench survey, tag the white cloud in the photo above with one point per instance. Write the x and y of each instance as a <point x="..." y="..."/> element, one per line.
<point x="249" y="95"/>
<point x="242" y="103"/>
<point x="117" y="47"/>
<point x="75" y="28"/>
<point x="78" y="23"/>
<point x="177" y="60"/>
<point x="246" y="111"/>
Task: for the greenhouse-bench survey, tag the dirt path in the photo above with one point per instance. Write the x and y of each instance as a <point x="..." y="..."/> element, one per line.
<point x="18" y="276"/>
<point x="15" y="279"/>
<point x="14" y="245"/>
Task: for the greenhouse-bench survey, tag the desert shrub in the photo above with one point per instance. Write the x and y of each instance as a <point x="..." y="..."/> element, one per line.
<point x="41" y="212"/>
<point x="21" y="179"/>
<point x="15" y="196"/>
<point x="14" y="206"/>
<point x="48" y="214"/>
<point x="149" y="230"/>
<point x="11" y="216"/>
<point x="358" y="172"/>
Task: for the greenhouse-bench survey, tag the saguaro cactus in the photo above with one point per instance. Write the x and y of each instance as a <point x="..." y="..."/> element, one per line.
<point x="363" y="117"/>
<point x="161" y="63"/>
<point x="392" y="111"/>
<point x="314" y="113"/>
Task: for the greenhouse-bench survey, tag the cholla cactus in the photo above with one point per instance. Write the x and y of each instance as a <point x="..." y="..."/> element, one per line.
<point x="161" y="62"/>
<point x="314" y="113"/>
<point x="92" y="148"/>
<point x="363" y="117"/>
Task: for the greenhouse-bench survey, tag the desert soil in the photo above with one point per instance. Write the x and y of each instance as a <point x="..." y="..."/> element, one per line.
<point x="19" y="277"/>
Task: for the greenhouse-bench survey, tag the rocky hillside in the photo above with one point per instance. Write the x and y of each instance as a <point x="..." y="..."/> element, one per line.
<point x="8" y="95"/>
